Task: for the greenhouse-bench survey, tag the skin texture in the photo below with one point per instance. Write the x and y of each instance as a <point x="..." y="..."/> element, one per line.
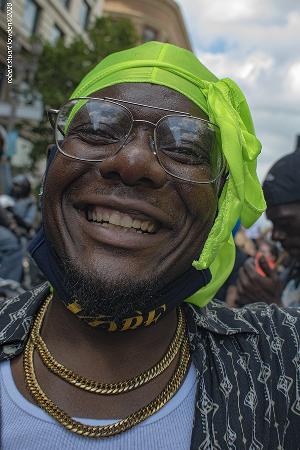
<point x="251" y="286"/>
<point x="134" y="179"/>
<point x="186" y="211"/>
<point x="286" y="226"/>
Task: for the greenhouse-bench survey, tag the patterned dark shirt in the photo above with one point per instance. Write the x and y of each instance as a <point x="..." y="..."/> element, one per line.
<point x="248" y="368"/>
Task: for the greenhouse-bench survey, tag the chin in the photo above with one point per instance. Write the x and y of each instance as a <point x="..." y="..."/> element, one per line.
<point x="101" y="293"/>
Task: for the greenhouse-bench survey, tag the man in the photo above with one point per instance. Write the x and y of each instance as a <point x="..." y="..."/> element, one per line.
<point x="282" y="192"/>
<point x="17" y="216"/>
<point x="139" y="202"/>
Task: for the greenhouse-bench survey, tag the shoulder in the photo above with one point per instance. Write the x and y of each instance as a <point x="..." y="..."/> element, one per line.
<point x="253" y="354"/>
<point x="16" y="315"/>
<point x="260" y="319"/>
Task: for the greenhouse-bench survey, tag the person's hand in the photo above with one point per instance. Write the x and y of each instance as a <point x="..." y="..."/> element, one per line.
<point x="252" y="287"/>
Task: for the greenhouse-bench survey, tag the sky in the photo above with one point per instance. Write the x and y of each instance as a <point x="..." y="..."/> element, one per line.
<point x="257" y="44"/>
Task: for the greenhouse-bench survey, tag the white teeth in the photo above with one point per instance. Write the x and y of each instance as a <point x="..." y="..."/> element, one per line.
<point x="99" y="216"/>
<point x="116" y="219"/>
<point x="151" y="227"/>
<point x="105" y="216"/>
<point x="144" y="226"/>
<point x="136" y="224"/>
<point x="126" y="222"/>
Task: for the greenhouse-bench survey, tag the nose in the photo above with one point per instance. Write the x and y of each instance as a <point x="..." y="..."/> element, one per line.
<point x="135" y="163"/>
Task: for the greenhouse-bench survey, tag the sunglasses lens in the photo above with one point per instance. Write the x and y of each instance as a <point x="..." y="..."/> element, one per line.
<point x="92" y="129"/>
<point x="189" y="148"/>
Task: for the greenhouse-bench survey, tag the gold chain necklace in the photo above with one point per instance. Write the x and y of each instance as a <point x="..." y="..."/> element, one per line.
<point x="106" y="430"/>
<point x="94" y="386"/>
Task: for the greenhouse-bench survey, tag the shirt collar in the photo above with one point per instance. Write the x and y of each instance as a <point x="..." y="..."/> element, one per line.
<point x="219" y="318"/>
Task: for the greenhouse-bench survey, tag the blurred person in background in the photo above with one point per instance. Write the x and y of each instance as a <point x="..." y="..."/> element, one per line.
<point x="11" y="250"/>
<point x="25" y="207"/>
<point x="18" y="213"/>
<point x="261" y="279"/>
<point x="228" y="292"/>
<point x="5" y="169"/>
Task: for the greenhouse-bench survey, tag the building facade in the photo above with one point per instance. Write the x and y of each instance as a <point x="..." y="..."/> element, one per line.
<point x="159" y="20"/>
<point x="46" y="20"/>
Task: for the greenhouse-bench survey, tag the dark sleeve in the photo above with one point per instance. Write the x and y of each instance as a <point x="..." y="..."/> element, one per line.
<point x="4" y="218"/>
<point x="25" y="214"/>
<point x="280" y="331"/>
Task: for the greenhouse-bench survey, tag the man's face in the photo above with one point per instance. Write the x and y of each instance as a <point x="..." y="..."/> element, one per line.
<point x="130" y="186"/>
<point x="286" y="226"/>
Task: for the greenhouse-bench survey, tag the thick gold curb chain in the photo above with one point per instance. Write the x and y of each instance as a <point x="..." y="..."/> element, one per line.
<point x="106" y="430"/>
<point x="97" y="387"/>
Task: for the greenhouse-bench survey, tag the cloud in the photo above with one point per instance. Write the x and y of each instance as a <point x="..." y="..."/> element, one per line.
<point x="293" y="79"/>
<point x="254" y="43"/>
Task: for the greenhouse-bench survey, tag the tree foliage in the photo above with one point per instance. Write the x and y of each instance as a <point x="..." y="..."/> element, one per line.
<point x="61" y="67"/>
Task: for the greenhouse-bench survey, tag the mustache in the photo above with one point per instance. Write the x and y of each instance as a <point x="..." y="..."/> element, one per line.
<point x="124" y="192"/>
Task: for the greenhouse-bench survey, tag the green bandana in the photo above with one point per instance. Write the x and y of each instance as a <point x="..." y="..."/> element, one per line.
<point x="225" y="105"/>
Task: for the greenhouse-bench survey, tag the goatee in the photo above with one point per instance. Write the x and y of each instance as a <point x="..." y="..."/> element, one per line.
<point x="101" y="296"/>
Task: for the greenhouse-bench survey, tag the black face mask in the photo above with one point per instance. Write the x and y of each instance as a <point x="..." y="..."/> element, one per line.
<point x="164" y="300"/>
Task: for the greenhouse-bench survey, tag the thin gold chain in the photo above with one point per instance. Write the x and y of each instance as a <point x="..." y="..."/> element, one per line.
<point x="106" y="430"/>
<point x="97" y="387"/>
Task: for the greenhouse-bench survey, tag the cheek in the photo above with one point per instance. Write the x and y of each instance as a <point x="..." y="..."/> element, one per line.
<point x="201" y="202"/>
<point x="60" y="177"/>
<point x="201" y="206"/>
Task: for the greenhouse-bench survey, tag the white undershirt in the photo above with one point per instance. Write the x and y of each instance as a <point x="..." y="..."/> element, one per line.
<point x="24" y="426"/>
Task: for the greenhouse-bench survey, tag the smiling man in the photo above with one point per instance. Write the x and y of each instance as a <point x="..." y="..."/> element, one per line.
<point x="153" y="163"/>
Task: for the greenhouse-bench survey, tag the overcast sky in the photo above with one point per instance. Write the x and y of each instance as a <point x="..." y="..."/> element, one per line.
<point x="256" y="43"/>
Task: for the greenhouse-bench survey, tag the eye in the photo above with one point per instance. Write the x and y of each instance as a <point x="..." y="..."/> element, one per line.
<point x="102" y="135"/>
<point x="186" y="152"/>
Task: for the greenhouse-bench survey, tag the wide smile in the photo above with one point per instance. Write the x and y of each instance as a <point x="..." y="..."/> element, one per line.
<point x="112" y="219"/>
<point x="125" y="225"/>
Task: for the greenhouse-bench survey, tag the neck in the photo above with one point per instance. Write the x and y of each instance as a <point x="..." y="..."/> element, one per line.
<point x="100" y="354"/>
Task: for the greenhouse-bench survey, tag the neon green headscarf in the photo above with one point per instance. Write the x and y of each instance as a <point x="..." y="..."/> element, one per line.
<point x="225" y="105"/>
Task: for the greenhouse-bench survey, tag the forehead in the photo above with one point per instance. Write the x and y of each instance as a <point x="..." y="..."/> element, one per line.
<point x="151" y="95"/>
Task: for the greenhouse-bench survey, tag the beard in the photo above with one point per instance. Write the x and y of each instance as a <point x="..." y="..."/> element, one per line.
<point x="117" y="298"/>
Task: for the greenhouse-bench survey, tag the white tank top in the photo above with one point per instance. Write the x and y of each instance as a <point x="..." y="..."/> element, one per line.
<point x="24" y="426"/>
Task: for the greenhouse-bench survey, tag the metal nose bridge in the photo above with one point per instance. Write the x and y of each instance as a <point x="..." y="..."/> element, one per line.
<point x="145" y="121"/>
<point x="127" y="140"/>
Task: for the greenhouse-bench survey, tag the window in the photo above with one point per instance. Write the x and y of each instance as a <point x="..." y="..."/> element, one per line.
<point x="149" y="34"/>
<point x="84" y="17"/>
<point x="56" y="33"/>
<point x="30" y="17"/>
